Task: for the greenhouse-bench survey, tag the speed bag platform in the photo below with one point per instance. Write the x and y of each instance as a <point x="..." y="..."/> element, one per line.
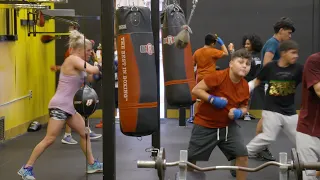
<point x="137" y="78"/>
<point x="179" y="76"/>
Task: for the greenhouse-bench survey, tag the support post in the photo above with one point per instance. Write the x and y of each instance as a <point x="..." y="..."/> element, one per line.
<point x="182" y="116"/>
<point x="155" y="19"/>
<point x="108" y="106"/>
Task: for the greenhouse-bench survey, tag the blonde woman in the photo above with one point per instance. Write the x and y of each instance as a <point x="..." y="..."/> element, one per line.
<point x="61" y="109"/>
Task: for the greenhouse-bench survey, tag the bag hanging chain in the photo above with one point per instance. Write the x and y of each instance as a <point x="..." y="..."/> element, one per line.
<point x="194" y="5"/>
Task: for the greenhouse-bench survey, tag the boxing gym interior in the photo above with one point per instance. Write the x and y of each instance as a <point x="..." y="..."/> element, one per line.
<point x="34" y="39"/>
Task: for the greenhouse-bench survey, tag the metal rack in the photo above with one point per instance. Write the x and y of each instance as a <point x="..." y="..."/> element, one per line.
<point x="34" y="7"/>
<point x="11" y="9"/>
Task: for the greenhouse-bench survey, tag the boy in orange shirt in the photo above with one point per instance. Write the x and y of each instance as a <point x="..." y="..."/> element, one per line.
<point x="206" y="57"/>
<point x="224" y="98"/>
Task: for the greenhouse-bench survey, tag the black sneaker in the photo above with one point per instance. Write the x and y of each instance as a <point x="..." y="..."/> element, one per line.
<point x="233" y="172"/>
<point x="266" y="155"/>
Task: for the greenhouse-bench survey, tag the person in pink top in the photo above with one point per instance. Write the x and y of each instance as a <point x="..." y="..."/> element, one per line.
<point x="61" y="109"/>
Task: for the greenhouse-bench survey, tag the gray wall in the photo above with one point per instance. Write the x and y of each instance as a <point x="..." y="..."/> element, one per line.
<point x="230" y="19"/>
<point x="233" y="18"/>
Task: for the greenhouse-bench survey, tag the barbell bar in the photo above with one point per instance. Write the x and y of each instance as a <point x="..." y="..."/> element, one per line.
<point x="294" y="165"/>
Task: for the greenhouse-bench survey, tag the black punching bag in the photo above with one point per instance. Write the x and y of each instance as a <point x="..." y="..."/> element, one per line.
<point x="137" y="78"/>
<point x="85" y="101"/>
<point x="178" y="67"/>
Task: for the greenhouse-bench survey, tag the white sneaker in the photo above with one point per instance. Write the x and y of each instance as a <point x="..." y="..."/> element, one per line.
<point x="93" y="135"/>
<point x="68" y="140"/>
<point x="247" y="117"/>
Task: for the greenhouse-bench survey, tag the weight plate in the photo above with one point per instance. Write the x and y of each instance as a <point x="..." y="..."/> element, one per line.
<point x="161" y="163"/>
<point x="297" y="169"/>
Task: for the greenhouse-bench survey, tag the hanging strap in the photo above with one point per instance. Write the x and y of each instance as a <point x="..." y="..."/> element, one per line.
<point x="194" y="5"/>
<point x="85" y="62"/>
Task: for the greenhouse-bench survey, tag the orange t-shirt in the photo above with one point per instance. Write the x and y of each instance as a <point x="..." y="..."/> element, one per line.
<point x="221" y="85"/>
<point x="206" y="59"/>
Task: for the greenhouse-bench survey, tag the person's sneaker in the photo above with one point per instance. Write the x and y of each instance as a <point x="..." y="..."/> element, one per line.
<point x="233" y="172"/>
<point x="93" y="135"/>
<point x="95" y="167"/>
<point x="26" y="173"/>
<point x="190" y="120"/>
<point x="100" y="125"/>
<point x="247" y="117"/>
<point x="266" y="155"/>
<point x="117" y="120"/>
<point x="68" y="140"/>
<point x="253" y="156"/>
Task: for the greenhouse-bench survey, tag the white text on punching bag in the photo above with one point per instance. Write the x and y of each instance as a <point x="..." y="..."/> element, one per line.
<point x="124" y="69"/>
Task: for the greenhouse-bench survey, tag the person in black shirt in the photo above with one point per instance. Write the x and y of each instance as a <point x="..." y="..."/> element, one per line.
<point x="279" y="113"/>
<point x="253" y="44"/>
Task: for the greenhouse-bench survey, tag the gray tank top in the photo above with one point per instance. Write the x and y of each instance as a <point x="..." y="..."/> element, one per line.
<point x="67" y="88"/>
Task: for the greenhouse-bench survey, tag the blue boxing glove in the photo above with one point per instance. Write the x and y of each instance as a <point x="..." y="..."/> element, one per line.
<point x="219" y="41"/>
<point x="97" y="77"/>
<point x="218" y="102"/>
<point x="237" y="113"/>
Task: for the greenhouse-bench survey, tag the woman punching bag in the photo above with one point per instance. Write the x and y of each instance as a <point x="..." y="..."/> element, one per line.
<point x="137" y="80"/>
<point x="178" y="72"/>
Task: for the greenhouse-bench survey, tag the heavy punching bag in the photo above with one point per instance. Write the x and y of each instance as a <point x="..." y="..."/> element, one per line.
<point x="178" y="68"/>
<point x="137" y="79"/>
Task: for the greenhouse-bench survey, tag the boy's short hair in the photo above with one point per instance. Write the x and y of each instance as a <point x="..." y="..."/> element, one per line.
<point x="209" y="39"/>
<point x="241" y="53"/>
<point x="288" y="45"/>
<point x="284" y="23"/>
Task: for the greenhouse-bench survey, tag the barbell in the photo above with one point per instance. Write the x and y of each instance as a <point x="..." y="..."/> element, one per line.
<point x="295" y="165"/>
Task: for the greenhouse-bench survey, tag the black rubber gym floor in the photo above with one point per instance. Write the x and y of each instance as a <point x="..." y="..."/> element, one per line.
<point x="67" y="162"/>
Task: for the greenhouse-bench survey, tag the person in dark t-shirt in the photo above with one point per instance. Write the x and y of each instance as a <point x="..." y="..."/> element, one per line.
<point x="279" y="113"/>
<point x="253" y="44"/>
<point x="283" y="30"/>
<point x="308" y="129"/>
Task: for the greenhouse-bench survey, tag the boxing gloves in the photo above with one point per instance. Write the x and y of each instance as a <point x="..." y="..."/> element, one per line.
<point x="218" y="102"/>
<point x="237" y="113"/>
<point x="97" y="77"/>
<point x="219" y="41"/>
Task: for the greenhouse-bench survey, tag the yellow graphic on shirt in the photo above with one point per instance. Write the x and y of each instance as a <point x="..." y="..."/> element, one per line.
<point x="282" y="88"/>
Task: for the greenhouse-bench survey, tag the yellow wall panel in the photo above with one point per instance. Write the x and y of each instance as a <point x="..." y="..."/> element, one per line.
<point x="25" y="65"/>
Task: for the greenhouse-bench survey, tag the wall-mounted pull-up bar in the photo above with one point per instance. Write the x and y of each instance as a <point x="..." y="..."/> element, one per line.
<point x="21" y="5"/>
<point x="18" y="99"/>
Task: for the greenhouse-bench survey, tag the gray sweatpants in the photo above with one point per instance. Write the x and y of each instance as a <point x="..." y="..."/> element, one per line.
<point x="308" y="148"/>
<point x="272" y="124"/>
